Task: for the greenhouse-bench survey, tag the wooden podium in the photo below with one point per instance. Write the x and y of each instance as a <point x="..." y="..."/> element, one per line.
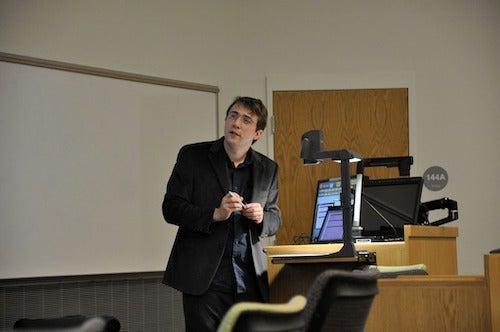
<point x="435" y="247"/>
<point x="441" y="301"/>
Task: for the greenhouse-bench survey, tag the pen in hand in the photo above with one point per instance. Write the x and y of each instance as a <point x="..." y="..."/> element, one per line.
<point x="234" y="195"/>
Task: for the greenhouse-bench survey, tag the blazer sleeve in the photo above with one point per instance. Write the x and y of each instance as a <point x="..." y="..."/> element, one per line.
<point x="183" y="205"/>
<point x="266" y="192"/>
<point x="272" y="214"/>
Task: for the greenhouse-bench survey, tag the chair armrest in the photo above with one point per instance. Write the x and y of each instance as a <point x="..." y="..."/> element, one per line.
<point x="397" y="270"/>
<point x="294" y="305"/>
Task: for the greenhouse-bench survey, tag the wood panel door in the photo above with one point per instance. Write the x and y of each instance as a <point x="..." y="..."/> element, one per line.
<point x="372" y="122"/>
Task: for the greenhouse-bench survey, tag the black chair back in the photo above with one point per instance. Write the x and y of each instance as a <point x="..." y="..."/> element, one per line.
<point x="340" y="301"/>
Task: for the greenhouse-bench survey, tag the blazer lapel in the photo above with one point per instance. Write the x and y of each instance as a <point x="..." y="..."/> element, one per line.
<point x="258" y="174"/>
<point x="217" y="159"/>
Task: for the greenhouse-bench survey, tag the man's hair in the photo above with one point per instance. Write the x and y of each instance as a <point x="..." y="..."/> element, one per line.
<point x="256" y="106"/>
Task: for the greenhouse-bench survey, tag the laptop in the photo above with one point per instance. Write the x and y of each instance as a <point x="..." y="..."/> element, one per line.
<point x="332" y="230"/>
<point x="328" y="193"/>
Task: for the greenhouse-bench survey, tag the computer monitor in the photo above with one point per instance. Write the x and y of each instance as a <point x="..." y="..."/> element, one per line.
<point x="389" y="204"/>
<point x="328" y="193"/>
<point x="332" y="230"/>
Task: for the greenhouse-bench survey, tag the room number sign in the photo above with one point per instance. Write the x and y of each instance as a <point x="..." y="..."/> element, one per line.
<point x="435" y="178"/>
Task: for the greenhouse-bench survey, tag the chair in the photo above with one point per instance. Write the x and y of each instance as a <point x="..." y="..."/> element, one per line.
<point x="337" y="301"/>
<point x="340" y="300"/>
<point x="265" y="317"/>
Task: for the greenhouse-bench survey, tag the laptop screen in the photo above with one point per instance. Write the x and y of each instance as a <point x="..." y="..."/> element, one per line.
<point x="332" y="229"/>
<point x="327" y="195"/>
<point x="388" y="204"/>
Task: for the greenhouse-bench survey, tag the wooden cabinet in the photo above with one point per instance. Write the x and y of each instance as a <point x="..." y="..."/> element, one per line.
<point x="431" y="303"/>
<point x="492" y="274"/>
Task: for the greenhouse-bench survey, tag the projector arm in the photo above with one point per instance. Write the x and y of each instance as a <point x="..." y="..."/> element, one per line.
<point x="402" y="163"/>
<point x="443" y="203"/>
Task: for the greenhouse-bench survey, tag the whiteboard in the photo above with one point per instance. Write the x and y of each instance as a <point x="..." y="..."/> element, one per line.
<point x="84" y="161"/>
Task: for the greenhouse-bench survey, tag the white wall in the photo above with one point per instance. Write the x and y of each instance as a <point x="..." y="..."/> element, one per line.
<point x="450" y="47"/>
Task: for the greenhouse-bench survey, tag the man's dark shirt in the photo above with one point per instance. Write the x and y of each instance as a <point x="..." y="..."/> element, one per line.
<point x="237" y="259"/>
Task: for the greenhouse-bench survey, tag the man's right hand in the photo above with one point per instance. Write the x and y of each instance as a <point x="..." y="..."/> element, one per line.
<point x="228" y="205"/>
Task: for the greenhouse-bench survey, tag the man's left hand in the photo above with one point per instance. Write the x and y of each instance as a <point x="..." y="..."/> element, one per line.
<point x="253" y="211"/>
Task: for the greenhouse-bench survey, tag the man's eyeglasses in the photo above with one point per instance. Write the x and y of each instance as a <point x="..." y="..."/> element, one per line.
<point x="233" y="116"/>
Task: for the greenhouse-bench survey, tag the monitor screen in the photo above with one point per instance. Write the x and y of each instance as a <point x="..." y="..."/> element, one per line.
<point x="327" y="195"/>
<point x="332" y="229"/>
<point x="388" y="204"/>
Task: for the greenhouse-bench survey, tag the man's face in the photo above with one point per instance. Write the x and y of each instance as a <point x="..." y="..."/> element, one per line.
<point x="240" y="128"/>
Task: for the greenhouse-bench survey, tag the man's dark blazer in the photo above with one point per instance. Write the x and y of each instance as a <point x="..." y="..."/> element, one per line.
<point x="198" y="182"/>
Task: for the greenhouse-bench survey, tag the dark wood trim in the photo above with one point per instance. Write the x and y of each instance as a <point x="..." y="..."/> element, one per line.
<point x="106" y="73"/>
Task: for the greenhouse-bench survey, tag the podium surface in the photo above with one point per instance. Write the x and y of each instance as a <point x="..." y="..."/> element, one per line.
<point x="433" y="246"/>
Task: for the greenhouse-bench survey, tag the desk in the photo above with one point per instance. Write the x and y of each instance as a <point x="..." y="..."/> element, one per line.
<point x="441" y="301"/>
<point x="421" y="303"/>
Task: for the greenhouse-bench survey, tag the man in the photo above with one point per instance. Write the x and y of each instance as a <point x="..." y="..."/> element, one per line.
<point x="223" y="197"/>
